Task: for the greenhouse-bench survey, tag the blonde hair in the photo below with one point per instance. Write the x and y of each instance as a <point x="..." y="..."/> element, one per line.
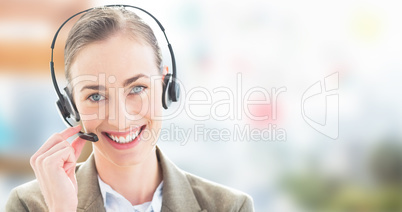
<point x="101" y="23"/>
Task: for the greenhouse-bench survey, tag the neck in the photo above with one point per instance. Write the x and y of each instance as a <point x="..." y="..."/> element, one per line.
<point x="137" y="183"/>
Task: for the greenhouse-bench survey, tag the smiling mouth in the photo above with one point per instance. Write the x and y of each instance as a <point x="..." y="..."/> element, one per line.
<point x="126" y="139"/>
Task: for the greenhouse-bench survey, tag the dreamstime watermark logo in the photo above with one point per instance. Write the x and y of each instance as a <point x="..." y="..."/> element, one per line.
<point x="329" y="91"/>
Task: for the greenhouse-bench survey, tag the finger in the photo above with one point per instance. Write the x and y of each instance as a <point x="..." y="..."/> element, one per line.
<point x="59" y="158"/>
<point x="69" y="168"/>
<point x="78" y="144"/>
<point x="51" y="151"/>
<point x="53" y="140"/>
<point x="70" y="132"/>
<point x="70" y="171"/>
<point x="53" y="165"/>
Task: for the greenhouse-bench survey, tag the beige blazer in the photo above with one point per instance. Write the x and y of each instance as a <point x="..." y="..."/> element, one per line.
<point x="182" y="192"/>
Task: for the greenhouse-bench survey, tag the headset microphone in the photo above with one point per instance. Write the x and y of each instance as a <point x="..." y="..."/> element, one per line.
<point x="65" y="104"/>
<point x="88" y="136"/>
<point x="67" y="109"/>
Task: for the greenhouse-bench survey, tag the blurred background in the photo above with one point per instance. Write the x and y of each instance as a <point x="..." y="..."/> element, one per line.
<point x="241" y="46"/>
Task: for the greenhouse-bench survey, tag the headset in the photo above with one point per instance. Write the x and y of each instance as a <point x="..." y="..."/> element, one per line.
<point x="65" y="103"/>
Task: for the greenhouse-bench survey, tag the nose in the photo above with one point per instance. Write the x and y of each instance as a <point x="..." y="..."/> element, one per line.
<point x="116" y="109"/>
<point x="121" y="110"/>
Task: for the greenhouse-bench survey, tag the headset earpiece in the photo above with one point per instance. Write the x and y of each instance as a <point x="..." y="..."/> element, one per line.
<point x="62" y="109"/>
<point x="174" y="90"/>
<point x="67" y="107"/>
<point x="166" y="99"/>
<point x="70" y="106"/>
<point x="171" y="91"/>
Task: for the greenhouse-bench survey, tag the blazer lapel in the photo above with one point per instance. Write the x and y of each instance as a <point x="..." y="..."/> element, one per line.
<point x="177" y="192"/>
<point x="89" y="195"/>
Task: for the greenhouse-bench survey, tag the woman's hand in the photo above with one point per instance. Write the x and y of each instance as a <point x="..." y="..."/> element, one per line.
<point x="54" y="167"/>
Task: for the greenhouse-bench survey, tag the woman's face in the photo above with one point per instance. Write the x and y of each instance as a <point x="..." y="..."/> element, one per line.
<point x="117" y="88"/>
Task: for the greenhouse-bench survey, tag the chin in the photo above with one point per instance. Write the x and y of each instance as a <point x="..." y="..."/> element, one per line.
<point x="125" y="157"/>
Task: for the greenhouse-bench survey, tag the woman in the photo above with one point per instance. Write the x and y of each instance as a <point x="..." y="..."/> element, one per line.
<point x="126" y="170"/>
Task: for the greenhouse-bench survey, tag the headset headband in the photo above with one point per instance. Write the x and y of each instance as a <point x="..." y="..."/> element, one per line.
<point x="56" y="86"/>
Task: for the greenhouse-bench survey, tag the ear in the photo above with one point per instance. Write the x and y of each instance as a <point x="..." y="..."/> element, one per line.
<point x="165" y="70"/>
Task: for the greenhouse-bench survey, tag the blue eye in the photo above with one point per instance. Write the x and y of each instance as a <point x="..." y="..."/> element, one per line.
<point x="96" y="97"/>
<point x="137" y="89"/>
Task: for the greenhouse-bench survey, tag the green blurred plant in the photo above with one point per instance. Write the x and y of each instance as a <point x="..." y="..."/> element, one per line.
<point x="314" y="191"/>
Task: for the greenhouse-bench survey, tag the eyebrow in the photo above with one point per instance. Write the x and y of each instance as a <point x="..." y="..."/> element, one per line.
<point x="125" y="84"/>
<point x="93" y="87"/>
<point x="133" y="79"/>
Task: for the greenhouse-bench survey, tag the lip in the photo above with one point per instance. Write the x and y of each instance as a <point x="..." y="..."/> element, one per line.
<point x="124" y="134"/>
<point x="126" y="145"/>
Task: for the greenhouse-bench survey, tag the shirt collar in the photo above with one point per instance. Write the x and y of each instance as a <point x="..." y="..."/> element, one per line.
<point x="105" y="189"/>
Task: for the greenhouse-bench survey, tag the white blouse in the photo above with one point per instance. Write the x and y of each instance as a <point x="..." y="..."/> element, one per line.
<point x="114" y="201"/>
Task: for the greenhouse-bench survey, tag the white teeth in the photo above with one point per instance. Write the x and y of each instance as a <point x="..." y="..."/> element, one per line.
<point x="130" y="137"/>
